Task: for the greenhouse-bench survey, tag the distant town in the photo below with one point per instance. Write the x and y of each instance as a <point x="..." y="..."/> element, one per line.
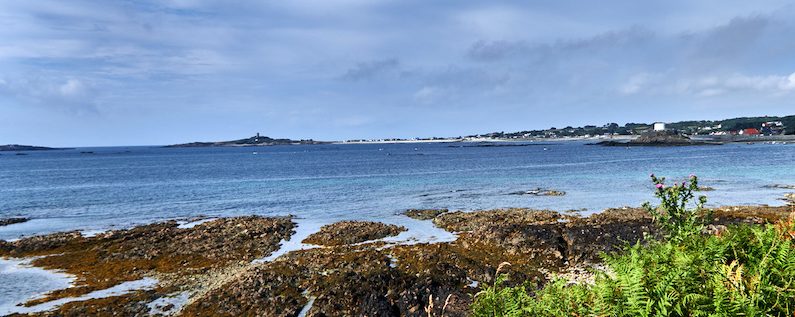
<point x="706" y="129"/>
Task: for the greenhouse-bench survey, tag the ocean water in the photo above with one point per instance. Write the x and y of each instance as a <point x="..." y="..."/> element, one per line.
<point x="116" y="187"/>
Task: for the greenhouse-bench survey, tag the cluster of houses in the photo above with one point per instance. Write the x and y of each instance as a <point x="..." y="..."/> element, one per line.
<point x="767" y="128"/>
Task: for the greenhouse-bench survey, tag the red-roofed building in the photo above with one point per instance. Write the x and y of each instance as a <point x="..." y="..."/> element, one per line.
<point x="750" y="131"/>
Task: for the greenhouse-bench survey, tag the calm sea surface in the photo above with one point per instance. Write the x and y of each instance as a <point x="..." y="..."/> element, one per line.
<point x="122" y="186"/>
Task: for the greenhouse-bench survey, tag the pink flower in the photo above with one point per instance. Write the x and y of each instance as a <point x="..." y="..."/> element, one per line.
<point x="660" y="186"/>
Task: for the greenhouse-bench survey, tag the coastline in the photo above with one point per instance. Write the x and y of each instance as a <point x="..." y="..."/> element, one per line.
<point x="401" y="269"/>
<point x="489" y="140"/>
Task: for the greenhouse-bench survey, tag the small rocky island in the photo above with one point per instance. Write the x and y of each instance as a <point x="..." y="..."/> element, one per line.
<point x="658" y="138"/>
<point x="256" y="140"/>
<point x="17" y="147"/>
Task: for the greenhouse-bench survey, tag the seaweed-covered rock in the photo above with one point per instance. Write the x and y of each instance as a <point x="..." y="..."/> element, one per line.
<point x="114" y="257"/>
<point x="424" y="214"/>
<point x="751" y="214"/>
<point x="465" y="221"/>
<point x="11" y="221"/>
<point x="350" y="232"/>
<point x="267" y="290"/>
<point x="540" y="192"/>
<point x="587" y="238"/>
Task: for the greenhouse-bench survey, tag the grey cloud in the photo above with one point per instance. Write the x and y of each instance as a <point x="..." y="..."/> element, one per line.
<point x="371" y="69"/>
<point x="483" y="50"/>
<point x="495" y="50"/>
<point x="71" y="95"/>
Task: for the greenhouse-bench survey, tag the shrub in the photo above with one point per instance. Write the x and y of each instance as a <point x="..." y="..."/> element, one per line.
<point x="746" y="271"/>
<point x="678" y="219"/>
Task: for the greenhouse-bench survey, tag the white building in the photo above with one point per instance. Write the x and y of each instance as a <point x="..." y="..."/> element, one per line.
<point x="659" y="126"/>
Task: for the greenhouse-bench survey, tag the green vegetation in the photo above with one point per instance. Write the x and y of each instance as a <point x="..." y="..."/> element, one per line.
<point x="688" y="127"/>
<point x="673" y="215"/>
<point x="744" y="270"/>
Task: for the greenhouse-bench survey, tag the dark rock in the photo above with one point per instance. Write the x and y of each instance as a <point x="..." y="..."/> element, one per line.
<point x="780" y="186"/>
<point x="540" y="192"/>
<point x="11" y="221"/>
<point x="350" y="232"/>
<point x="664" y="138"/>
<point x="424" y="214"/>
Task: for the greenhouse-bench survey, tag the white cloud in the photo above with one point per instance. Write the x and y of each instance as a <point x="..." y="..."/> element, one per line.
<point x="71" y="87"/>
<point x="707" y="86"/>
<point x="428" y="94"/>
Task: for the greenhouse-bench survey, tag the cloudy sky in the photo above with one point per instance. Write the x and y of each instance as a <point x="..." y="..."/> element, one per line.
<point x="76" y="73"/>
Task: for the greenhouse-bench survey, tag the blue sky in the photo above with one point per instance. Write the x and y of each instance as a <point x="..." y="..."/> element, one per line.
<point x="76" y="73"/>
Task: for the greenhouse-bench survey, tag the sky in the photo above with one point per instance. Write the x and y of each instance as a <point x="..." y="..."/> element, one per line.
<point x="92" y="73"/>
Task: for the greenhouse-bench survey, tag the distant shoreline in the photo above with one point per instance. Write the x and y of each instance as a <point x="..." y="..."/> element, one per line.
<point x="487" y="140"/>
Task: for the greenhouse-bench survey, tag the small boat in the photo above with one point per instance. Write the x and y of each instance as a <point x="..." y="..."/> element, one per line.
<point x="254" y="153"/>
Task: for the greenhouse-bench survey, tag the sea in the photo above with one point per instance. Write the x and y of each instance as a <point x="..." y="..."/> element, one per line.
<point x="95" y="189"/>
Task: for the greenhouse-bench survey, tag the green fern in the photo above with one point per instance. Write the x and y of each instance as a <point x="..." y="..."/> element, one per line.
<point x="747" y="271"/>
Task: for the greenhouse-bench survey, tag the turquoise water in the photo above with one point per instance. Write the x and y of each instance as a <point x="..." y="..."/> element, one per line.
<point x="123" y="186"/>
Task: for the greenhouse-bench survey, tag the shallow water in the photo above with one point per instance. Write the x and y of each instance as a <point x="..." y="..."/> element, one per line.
<point x="119" y="187"/>
<point x="20" y="282"/>
<point x="117" y="290"/>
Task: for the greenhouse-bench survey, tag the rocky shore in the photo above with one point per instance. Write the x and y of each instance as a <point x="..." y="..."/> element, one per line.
<point x="213" y="263"/>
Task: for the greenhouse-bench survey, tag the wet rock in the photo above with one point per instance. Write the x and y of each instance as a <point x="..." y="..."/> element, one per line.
<point x="465" y="221"/>
<point x="11" y="221"/>
<point x="790" y="198"/>
<point x="780" y="186"/>
<point x="587" y="238"/>
<point x="751" y="214"/>
<point x="114" y="257"/>
<point x="128" y="305"/>
<point x="424" y="214"/>
<point x="539" y="192"/>
<point x="269" y="290"/>
<point x="350" y="232"/>
<point x="706" y="188"/>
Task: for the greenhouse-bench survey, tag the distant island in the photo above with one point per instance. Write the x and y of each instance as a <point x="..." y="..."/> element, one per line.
<point x="17" y="147"/>
<point x="257" y="140"/>
<point x="659" y="138"/>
